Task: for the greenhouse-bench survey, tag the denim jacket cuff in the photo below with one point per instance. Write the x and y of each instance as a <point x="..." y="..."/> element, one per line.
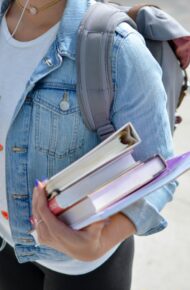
<point x="145" y="217"/>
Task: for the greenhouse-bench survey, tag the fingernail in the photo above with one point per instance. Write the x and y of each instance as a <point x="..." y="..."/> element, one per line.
<point x="37" y="182"/>
<point x="44" y="179"/>
<point x="32" y="220"/>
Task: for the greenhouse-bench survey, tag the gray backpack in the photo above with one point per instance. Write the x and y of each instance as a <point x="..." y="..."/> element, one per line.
<point x="98" y="27"/>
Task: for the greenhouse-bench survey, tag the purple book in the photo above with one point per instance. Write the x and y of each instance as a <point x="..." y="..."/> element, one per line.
<point x="175" y="167"/>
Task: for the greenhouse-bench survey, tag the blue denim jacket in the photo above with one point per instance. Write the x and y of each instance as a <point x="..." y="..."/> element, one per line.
<point x="49" y="136"/>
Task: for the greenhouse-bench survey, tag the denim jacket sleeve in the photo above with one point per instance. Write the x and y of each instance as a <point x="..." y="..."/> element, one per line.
<point x="141" y="99"/>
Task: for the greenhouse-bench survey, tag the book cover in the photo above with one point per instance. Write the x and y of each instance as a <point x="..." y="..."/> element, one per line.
<point x="118" y="144"/>
<point x="175" y="167"/>
<point x="113" y="191"/>
<point x="91" y="182"/>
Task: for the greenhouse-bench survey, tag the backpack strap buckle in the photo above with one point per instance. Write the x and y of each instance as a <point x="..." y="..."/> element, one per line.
<point x="105" y="131"/>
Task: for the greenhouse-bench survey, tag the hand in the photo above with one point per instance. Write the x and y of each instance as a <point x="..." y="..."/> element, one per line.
<point x="85" y="244"/>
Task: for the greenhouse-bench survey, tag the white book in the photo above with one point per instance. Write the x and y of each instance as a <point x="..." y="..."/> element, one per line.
<point x="120" y="142"/>
<point x="92" y="182"/>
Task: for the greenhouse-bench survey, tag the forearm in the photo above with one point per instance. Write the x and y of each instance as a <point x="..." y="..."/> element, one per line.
<point x="117" y="230"/>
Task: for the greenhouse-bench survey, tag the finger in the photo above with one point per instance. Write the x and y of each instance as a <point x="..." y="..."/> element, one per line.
<point x="54" y="226"/>
<point x="37" y="220"/>
<point x="43" y="234"/>
<point x="36" y="189"/>
<point x="43" y="210"/>
<point x="36" y="214"/>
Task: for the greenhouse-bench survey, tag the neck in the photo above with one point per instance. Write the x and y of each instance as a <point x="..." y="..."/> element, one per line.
<point x="46" y="18"/>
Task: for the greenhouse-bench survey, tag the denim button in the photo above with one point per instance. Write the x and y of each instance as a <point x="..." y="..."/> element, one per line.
<point x="19" y="149"/>
<point x="48" y="61"/>
<point x="64" y="105"/>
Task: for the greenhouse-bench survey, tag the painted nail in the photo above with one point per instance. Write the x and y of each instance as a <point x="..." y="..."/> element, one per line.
<point x="32" y="220"/>
<point x="36" y="183"/>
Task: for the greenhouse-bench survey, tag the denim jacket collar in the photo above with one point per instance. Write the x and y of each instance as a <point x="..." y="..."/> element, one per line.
<point x="72" y="16"/>
<point x="66" y="37"/>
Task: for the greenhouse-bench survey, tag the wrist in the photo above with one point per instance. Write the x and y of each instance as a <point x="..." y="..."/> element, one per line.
<point x="119" y="229"/>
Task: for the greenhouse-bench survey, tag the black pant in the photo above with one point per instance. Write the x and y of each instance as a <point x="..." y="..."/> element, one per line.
<point x="114" y="274"/>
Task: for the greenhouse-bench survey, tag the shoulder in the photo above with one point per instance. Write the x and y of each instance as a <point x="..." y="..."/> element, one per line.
<point x="129" y="42"/>
<point x="130" y="53"/>
<point x="127" y="35"/>
<point x="136" y="74"/>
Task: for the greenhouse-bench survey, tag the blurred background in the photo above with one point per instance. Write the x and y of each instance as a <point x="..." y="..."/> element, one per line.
<point x="162" y="261"/>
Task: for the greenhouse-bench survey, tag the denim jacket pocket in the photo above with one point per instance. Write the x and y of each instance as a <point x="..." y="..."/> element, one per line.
<point x="58" y="126"/>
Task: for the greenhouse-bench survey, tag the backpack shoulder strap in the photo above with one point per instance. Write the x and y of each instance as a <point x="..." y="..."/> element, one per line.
<point x="94" y="78"/>
<point x="95" y="38"/>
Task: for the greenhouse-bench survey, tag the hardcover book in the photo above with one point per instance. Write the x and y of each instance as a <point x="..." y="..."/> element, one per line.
<point x="108" y="179"/>
<point x="174" y="168"/>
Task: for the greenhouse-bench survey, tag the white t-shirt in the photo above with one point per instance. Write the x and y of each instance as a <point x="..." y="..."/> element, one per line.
<point x="15" y="74"/>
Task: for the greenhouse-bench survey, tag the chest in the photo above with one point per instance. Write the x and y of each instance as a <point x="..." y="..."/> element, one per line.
<point x="50" y="126"/>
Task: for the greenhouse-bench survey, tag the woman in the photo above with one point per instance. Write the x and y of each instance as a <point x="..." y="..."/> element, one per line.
<point x="39" y="137"/>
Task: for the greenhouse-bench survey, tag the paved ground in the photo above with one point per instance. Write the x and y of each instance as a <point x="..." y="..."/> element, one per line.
<point x="162" y="261"/>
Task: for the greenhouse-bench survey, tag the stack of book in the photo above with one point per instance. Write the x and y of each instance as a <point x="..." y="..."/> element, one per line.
<point x="108" y="178"/>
